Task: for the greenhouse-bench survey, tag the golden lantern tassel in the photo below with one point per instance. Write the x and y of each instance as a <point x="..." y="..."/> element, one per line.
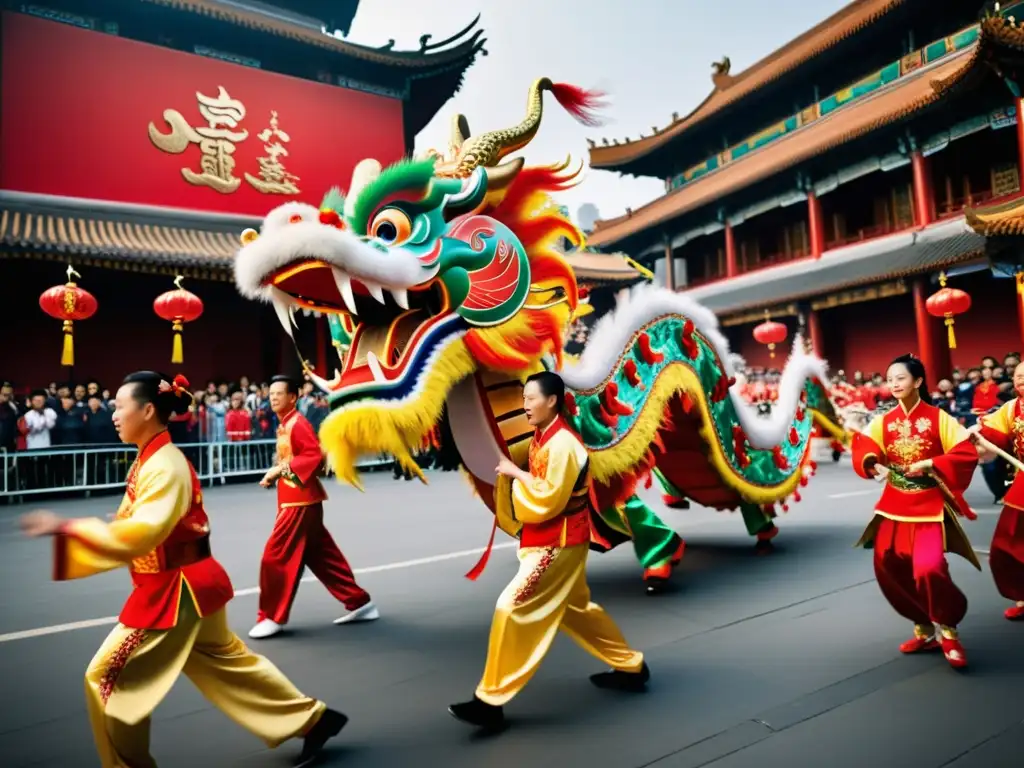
<point x="771" y="351"/>
<point x="67" y="357"/>
<point x="178" y="350"/>
<point x="950" y="336"/>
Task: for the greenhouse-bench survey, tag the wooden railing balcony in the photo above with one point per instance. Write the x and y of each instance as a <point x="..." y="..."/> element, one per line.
<point x="866" y="233"/>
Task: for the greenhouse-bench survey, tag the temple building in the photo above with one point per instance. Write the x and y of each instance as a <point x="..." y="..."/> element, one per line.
<point x="887" y="143"/>
<point x="138" y="140"/>
<point x="605" y="279"/>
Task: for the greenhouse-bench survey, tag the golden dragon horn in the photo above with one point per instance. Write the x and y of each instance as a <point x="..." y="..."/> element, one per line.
<point x="488" y="149"/>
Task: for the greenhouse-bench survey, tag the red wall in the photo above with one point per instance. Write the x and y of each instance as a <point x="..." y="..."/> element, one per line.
<point x="867" y="336"/>
<point x="234" y="337"/>
<point x="77" y="106"/>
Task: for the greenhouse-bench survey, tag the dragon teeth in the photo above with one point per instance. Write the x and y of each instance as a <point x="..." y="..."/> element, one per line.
<point x="375" y="290"/>
<point x="292" y="311"/>
<point x="373" y="363"/>
<point x="344" y="283"/>
<point x="282" y="306"/>
<point x="401" y="297"/>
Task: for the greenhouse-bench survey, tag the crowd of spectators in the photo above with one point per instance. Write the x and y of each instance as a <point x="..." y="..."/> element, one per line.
<point x="965" y="394"/>
<point x="41" y="430"/>
<point x="76" y="415"/>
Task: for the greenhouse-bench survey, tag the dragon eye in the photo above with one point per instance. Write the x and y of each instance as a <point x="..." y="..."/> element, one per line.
<point x="391" y="226"/>
<point x="295" y="218"/>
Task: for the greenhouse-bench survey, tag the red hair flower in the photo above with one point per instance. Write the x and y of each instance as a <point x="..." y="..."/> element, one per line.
<point x="179" y="386"/>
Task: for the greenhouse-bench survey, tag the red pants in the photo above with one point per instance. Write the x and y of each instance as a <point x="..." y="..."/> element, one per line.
<point x="1006" y="557"/>
<point x="299" y="539"/>
<point x="911" y="569"/>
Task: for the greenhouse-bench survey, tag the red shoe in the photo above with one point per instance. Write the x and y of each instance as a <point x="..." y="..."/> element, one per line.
<point x="678" y="556"/>
<point x="1014" y="613"/>
<point x="768" y="535"/>
<point x="658" y="573"/>
<point x="922" y="641"/>
<point x="953" y="651"/>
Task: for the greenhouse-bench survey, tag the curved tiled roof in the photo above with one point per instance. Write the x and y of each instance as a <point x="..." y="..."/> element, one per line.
<point x="602" y="267"/>
<point x="430" y="54"/>
<point x="997" y="220"/>
<point x="816" y="40"/>
<point x="885" y="106"/>
<point x="889" y="258"/>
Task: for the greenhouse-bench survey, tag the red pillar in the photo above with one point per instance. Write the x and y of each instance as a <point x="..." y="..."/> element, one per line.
<point x="1020" y="137"/>
<point x="321" y="347"/>
<point x="1020" y="307"/>
<point x="814" y="332"/>
<point x="931" y="345"/>
<point x="670" y="267"/>
<point x="816" y="225"/>
<point x="924" y="204"/>
<point x="731" y="269"/>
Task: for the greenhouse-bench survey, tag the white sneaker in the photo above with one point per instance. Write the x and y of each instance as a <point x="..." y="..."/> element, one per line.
<point x="265" y="629"/>
<point x="366" y="612"/>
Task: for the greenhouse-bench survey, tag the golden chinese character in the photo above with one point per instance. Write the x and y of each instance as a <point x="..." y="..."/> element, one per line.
<point x="216" y="140"/>
<point x="273" y="178"/>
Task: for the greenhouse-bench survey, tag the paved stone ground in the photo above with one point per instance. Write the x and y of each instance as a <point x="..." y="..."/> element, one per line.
<point x="787" y="660"/>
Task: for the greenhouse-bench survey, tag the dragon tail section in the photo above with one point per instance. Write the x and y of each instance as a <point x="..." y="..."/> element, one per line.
<point x="653" y="392"/>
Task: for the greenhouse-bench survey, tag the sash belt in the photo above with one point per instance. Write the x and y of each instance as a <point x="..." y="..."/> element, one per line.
<point x="183" y="553"/>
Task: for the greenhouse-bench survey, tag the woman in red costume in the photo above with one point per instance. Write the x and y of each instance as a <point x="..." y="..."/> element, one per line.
<point x="1005" y="430"/>
<point x="926" y="461"/>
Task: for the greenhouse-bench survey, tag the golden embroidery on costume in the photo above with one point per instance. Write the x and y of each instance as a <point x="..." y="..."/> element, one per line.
<point x="1018" y="436"/>
<point x="117" y="662"/>
<point x="217" y="140"/>
<point x="538" y="461"/>
<point x="525" y="592"/>
<point x="147" y="563"/>
<point x="907" y="447"/>
<point x="273" y="178"/>
<point x="923" y="425"/>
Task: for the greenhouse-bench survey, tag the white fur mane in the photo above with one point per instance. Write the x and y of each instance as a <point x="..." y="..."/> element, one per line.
<point x="612" y="334"/>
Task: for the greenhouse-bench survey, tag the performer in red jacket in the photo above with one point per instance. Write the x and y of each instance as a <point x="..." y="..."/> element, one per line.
<point x="174" y="620"/>
<point x="1005" y="429"/>
<point x="927" y="461"/>
<point x="299" y="538"/>
<point x="550" y="503"/>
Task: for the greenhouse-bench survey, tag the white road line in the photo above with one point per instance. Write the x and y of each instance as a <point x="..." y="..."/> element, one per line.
<point x="110" y="620"/>
<point x="851" y="494"/>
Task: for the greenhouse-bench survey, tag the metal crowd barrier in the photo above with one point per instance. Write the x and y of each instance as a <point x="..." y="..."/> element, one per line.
<point x="81" y="470"/>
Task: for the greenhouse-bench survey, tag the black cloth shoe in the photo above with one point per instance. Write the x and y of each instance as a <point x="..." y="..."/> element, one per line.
<point x="617" y="680"/>
<point x="327" y="727"/>
<point x="479" y="713"/>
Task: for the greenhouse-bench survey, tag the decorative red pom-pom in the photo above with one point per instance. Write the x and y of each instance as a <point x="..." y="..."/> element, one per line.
<point x="331" y="218"/>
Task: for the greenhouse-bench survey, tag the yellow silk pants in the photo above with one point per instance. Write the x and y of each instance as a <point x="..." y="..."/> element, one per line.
<point x="548" y="593"/>
<point x="134" y="669"/>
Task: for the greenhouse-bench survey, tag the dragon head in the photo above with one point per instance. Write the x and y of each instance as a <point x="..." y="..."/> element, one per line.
<point x="429" y="270"/>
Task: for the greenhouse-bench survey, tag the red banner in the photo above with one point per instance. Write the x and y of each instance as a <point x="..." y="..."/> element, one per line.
<point x="92" y="115"/>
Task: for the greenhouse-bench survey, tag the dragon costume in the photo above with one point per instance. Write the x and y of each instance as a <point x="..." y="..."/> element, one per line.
<point x="443" y="279"/>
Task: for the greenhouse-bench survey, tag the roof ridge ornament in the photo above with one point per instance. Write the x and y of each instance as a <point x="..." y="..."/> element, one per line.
<point x="721" y="76"/>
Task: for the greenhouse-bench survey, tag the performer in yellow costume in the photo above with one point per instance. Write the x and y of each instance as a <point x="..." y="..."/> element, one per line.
<point x="174" y="620"/>
<point x="552" y="503"/>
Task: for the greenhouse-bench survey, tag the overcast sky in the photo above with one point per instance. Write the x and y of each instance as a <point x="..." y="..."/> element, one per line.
<point x="652" y="57"/>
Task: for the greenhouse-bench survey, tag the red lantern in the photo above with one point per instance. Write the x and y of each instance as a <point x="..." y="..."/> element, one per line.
<point x="68" y="302"/>
<point x="947" y="303"/>
<point x="178" y="307"/>
<point x="771" y="333"/>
